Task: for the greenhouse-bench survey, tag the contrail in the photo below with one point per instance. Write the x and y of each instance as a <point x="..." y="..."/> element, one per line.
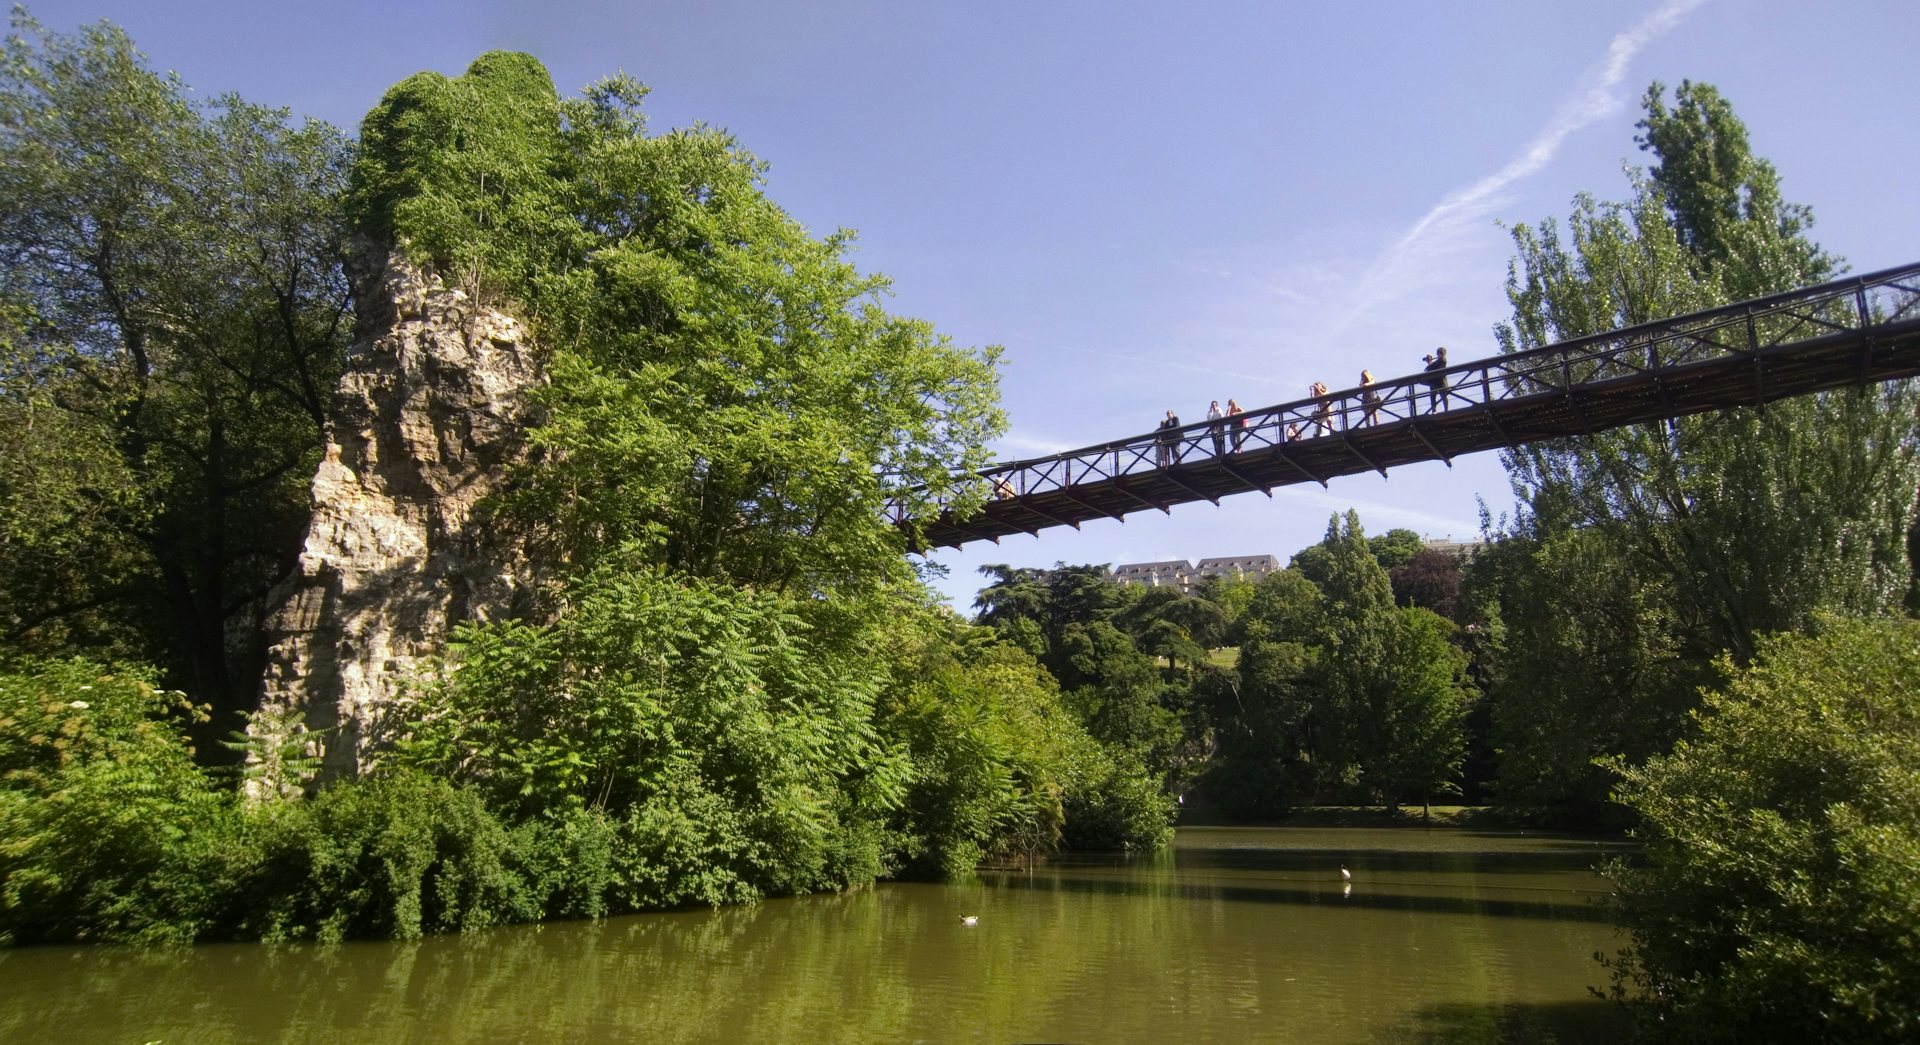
<point x="1266" y="379"/>
<point x="1459" y="211"/>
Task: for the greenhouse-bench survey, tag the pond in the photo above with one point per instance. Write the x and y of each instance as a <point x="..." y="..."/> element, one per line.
<point x="1233" y="934"/>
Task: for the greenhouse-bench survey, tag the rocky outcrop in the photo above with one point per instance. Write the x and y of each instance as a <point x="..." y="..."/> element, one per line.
<point x="426" y="424"/>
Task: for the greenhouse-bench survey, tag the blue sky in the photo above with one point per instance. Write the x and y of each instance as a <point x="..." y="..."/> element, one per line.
<point x="1153" y="205"/>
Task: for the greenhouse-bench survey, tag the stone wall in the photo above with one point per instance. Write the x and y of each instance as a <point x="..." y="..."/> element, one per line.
<point x="426" y="423"/>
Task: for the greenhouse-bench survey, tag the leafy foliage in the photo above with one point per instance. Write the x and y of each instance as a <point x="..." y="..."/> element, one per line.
<point x="177" y="320"/>
<point x="105" y="821"/>
<point x="1576" y="603"/>
<point x="1339" y="694"/>
<point x="1419" y="744"/>
<point x="736" y="756"/>
<point x="727" y="385"/>
<point x="1000" y="770"/>
<point x="1762" y="519"/>
<point x="1781" y="888"/>
<point x="1644" y="553"/>
<point x="1265" y="721"/>
<point x="397" y="855"/>
<point x="1099" y="639"/>
<point x="465" y="173"/>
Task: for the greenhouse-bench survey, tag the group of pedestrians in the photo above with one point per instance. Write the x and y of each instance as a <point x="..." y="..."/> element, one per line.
<point x="1230" y="424"/>
<point x="1322" y="417"/>
<point x="1227" y="425"/>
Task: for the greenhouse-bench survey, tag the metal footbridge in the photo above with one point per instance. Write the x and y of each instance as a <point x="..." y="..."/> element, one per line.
<point x="1854" y="331"/>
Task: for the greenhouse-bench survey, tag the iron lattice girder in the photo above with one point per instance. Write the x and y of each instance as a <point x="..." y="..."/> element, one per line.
<point x="1853" y="331"/>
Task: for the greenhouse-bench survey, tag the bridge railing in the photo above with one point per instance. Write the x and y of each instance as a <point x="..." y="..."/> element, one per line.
<point x="1748" y="329"/>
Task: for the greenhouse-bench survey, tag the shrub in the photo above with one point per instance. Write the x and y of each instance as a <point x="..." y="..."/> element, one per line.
<point x="734" y="757"/>
<point x="999" y="768"/>
<point x="1780" y="897"/>
<point x="396" y="855"/>
<point x="108" y="831"/>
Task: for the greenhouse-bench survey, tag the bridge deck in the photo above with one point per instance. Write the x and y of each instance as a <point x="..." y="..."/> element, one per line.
<point x="1851" y="332"/>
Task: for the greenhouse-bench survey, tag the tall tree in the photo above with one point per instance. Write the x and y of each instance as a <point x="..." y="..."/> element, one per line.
<point x="1169" y="623"/>
<point x="1762" y="517"/>
<point x="1652" y="549"/>
<point x="1264" y="716"/>
<point x="1354" y="632"/>
<point x="172" y="271"/>
<point x="727" y="385"/>
<point x="1421" y="738"/>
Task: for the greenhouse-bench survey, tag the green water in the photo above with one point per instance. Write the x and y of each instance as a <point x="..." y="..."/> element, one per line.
<point x="1236" y="934"/>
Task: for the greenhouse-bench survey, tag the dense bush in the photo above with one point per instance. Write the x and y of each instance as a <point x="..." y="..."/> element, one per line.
<point x="110" y="832"/>
<point x="396" y="855"/>
<point x="732" y="755"/>
<point x="999" y="769"/>
<point x="1780" y="897"/>
<point x="107" y="827"/>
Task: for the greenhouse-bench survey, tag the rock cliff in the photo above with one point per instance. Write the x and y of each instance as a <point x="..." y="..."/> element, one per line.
<point x="426" y="423"/>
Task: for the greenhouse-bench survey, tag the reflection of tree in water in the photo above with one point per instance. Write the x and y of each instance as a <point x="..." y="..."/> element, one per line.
<point x="1563" y="1023"/>
<point x="1162" y="948"/>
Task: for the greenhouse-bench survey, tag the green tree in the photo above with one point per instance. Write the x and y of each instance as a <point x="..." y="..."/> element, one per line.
<point x="1723" y="201"/>
<point x="1395" y="548"/>
<point x="1659" y="546"/>
<point x="727" y="386"/>
<point x="999" y="768"/>
<point x="1421" y="717"/>
<point x="180" y="319"/>
<point x="1780" y="890"/>
<point x="1168" y="623"/>
<point x="469" y="174"/>
<point x="1763" y="518"/>
<point x="1354" y="632"/>
<point x="1577" y="600"/>
<point x="1263" y="714"/>
<point x="1050" y="602"/>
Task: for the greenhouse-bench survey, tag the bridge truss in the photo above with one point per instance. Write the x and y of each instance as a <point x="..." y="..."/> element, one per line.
<point x="1854" y="331"/>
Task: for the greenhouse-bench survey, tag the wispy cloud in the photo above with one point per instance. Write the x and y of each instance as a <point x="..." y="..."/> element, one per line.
<point x="1462" y="214"/>
<point x="1198" y="269"/>
<point x="1175" y="364"/>
<point x="1016" y="445"/>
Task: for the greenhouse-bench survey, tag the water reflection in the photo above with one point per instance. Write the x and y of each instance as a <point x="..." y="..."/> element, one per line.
<point x="1234" y="935"/>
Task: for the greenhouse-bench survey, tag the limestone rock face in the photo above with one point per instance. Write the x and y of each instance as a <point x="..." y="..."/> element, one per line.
<point x="427" y="421"/>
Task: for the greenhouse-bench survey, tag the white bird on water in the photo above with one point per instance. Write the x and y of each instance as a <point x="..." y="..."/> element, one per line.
<point x="1345" y="875"/>
<point x="969" y="919"/>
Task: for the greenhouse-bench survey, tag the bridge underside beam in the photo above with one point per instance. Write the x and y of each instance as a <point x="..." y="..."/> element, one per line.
<point x="1834" y="359"/>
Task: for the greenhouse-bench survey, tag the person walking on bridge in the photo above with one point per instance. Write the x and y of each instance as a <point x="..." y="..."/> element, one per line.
<point x="1169" y="440"/>
<point x="1437" y="384"/>
<point x="1370" y="396"/>
<point x="1323" y="409"/>
<point x="1218" y="429"/>
<point x="1239" y="424"/>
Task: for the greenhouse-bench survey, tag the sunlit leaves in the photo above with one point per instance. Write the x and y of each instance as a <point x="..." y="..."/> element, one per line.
<point x="703" y="719"/>
<point x="1779" y="900"/>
